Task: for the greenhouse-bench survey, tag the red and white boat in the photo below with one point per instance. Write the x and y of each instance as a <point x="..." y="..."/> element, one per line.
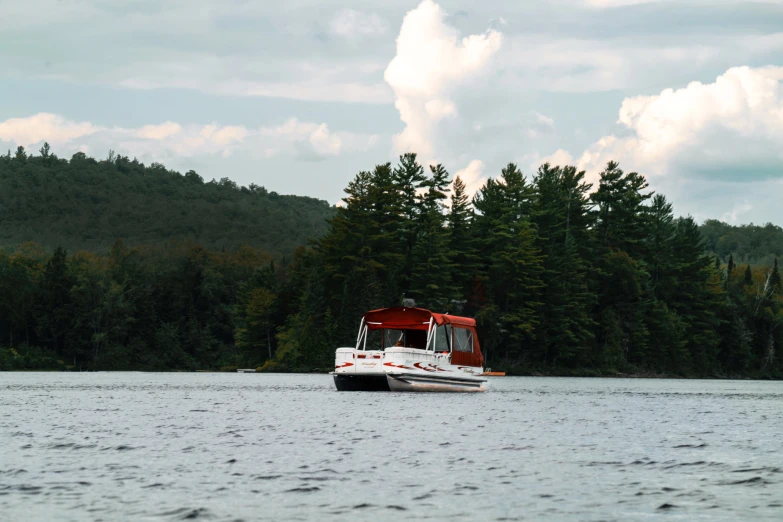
<point x="412" y="349"/>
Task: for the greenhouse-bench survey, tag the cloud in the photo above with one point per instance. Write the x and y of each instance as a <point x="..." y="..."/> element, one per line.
<point x="224" y="135"/>
<point x="473" y="176"/>
<point x="430" y="63"/>
<point x="540" y="124"/>
<point x="43" y="127"/>
<point x="307" y="134"/>
<point x="306" y="140"/>
<point x="731" y="129"/>
<point x="352" y="24"/>
<point x="559" y="157"/>
<point x="159" y="132"/>
<point x="736" y="211"/>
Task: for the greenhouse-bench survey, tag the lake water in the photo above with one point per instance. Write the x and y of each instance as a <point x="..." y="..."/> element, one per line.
<point x="210" y="446"/>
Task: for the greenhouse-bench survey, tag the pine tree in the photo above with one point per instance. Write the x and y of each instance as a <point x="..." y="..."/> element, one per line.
<point x="747" y="279"/>
<point x="54" y="312"/>
<point x="622" y="228"/>
<point x="463" y="259"/>
<point x="510" y="267"/>
<point x="774" y="279"/>
<point x="353" y="252"/>
<point x="697" y="297"/>
<point x="562" y="214"/>
<point x="620" y="200"/>
<point x="431" y="275"/>
<point x="408" y="178"/>
<point x="520" y="311"/>
<point x="659" y="293"/>
<point x="730" y="267"/>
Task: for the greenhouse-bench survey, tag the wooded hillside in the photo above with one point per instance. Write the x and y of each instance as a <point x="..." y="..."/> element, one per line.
<point x="83" y="203"/>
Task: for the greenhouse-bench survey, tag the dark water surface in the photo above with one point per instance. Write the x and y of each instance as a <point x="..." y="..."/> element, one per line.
<point x="145" y="446"/>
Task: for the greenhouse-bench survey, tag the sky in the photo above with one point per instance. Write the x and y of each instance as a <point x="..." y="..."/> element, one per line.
<point x="300" y="96"/>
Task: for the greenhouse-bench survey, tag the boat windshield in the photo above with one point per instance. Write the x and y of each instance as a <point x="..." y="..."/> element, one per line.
<point x="388" y="337"/>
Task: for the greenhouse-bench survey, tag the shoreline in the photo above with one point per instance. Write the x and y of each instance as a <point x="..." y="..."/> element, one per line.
<point x="509" y="373"/>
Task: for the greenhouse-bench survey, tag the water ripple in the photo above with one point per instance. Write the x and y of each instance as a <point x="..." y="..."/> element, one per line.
<point x="236" y="447"/>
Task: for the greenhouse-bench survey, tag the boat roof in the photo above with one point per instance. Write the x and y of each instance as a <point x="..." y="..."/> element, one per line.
<point x="409" y="318"/>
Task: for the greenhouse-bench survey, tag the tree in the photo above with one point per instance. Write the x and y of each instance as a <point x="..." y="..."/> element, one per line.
<point x="697" y="296"/>
<point x="461" y="247"/>
<point x="53" y="311"/>
<point x="431" y="278"/>
<point x="622" y="227"/>
<point x="408" y="177"/>
<point x="254" y="330"/>
<point x="620" y="200"/>
<point x="774" y="279"/>
<point x="561" y="213"/>
<point x="520" y="311"/>
<point x="729" y="270"/>
<point x="747" y="279"/>
<point x="511" y="263"/>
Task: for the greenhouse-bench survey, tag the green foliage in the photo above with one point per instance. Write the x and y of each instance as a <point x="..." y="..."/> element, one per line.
<point x="559" y="278"/>
<point x="83" y="203"/>
<point x="753" y="244"/>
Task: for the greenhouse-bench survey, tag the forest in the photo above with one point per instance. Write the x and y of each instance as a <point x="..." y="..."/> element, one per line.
<point x="563" y="278"/>
<point x="85" y="204"/>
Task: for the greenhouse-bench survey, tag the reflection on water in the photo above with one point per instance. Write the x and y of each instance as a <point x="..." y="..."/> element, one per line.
<point x="139" y="446"/>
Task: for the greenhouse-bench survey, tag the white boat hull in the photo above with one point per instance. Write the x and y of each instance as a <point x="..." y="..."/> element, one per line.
<point x="403" y="369"/>
<point x="407" y="382"/>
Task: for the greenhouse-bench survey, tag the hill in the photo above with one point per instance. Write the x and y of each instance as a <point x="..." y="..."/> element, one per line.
<point x="83" y="203"/>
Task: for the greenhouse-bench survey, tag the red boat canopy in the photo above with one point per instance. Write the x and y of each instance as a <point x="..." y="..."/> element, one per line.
<point x="406" y="318"/>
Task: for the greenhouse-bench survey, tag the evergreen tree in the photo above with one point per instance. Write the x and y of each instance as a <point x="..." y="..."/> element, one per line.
<point x="562" y="215"/>
<point x="698" y="295"/>
<point x="254" y="327"/>
<point x="408" y="178"/>
<point x="511" y="264"/>
<point x="747" y="279"/>
<point x="520" y="309"/>
<point x="622" y="227"/>
<point x="729" y="268"/>
<point x="463" y="259"/>
<point x="54" y="313"/>
<point x="620" y="207"/>
<point x="431" y="275"/>
<point x="774" y="279"/>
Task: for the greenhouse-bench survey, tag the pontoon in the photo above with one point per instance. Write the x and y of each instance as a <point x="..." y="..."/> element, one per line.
<point x="411" y="349"/>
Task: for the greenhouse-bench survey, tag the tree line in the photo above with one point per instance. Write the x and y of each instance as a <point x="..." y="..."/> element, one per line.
<point x="562" y="278"/>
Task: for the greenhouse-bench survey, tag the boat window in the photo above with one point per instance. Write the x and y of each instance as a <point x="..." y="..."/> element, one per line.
<point x="416" y="339"/>
<point x="393" y="338"/>
<point x="442" y="338"/>
<point x="374" y="340"/>
<point x="463" y="340"/>
<point x="403" y="338"/>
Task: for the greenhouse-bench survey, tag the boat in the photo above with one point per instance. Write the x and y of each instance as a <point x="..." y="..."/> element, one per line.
<point x="411" y="349"/>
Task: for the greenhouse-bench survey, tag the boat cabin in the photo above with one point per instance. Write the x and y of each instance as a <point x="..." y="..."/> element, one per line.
<point x="420" y="329"/>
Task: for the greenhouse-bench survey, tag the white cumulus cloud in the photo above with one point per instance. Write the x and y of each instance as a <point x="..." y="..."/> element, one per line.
<point x="729" y="129"/>
<point x="43" y="127"/>
<point x="159" y="132"/>
<point x="431" y="61"/>
<point x="306" y="140"/>
<point x="473" y="176"/>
